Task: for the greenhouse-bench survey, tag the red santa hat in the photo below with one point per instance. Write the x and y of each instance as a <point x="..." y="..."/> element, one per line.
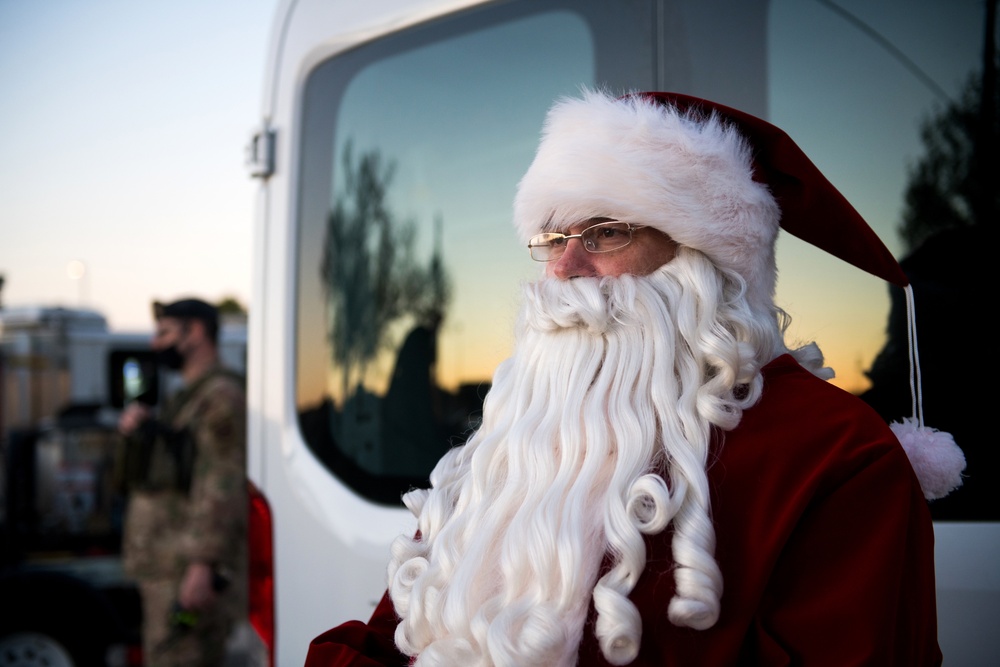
<point x="723" y="182"/>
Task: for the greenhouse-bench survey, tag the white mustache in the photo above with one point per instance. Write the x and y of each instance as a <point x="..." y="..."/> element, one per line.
<point x="596" y="305"/>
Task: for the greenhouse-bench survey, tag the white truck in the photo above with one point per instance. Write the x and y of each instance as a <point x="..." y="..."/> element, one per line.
<point x="392" y="136"/>
<point x="64" y="377"/>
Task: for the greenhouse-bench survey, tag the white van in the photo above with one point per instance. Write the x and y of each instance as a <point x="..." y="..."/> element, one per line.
<point x="393" y="134"/>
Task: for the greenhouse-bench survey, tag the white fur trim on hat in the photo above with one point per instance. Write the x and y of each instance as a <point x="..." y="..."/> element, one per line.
<point x="639" y="161"/>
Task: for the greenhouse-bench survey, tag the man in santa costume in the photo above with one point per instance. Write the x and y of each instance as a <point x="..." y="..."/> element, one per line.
<point x="659" y="479"/>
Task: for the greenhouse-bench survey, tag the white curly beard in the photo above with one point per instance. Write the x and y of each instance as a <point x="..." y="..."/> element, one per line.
<point x="612" y="381"/>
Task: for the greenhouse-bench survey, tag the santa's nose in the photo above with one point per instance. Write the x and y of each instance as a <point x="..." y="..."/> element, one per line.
<point x="575" y="262"/>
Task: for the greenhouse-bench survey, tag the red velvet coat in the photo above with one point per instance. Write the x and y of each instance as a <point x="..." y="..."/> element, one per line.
<point x="824" y="540"/>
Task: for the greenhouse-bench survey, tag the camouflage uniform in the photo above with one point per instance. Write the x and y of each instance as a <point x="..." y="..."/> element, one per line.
<point x="188" y="504"/>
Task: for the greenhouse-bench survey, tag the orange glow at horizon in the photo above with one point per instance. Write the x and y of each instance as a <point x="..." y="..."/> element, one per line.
<point x="849" y="330"/>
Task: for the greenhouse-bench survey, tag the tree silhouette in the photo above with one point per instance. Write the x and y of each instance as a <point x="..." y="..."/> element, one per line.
<point x="955" y="183"/>
<point x="369" y="271"/>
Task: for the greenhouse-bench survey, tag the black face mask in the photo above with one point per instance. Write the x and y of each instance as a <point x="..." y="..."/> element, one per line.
<point x="170" y="358"/>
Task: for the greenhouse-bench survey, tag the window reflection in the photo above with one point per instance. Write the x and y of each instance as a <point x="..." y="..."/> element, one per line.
<point x="408" y="265"/>
<point x="904" y="153"/>
<point x="442" y="120"/>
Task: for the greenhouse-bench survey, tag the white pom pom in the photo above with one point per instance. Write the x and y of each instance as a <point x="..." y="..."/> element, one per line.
<point x="936" y="459"/>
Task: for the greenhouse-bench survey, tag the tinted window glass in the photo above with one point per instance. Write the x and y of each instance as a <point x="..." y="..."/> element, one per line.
<point x="408" y="267"/>
<point x="861" y="86"/>
<point x="412" y="146"/>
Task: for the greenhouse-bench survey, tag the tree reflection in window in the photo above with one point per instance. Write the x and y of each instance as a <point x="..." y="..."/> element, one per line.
<point x="374" y="288"/>
<point x="369" y="271"/>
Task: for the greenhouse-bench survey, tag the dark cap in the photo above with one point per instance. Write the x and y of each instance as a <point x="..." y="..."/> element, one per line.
<point x="189" y="309"/>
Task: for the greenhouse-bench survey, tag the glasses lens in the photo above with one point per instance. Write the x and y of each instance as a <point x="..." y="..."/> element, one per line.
<point x="607" y="236"/>
<point x="546" y="247"/>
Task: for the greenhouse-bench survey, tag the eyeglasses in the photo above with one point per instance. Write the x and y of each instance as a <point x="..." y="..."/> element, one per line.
<point x="602" y="237"/>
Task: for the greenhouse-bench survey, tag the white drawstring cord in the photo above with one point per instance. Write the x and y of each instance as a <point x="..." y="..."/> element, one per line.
<point x="916" y="391"/>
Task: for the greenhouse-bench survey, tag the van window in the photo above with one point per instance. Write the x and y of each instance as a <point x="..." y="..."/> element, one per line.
<point x="408" y="266"/>
<point x="412" y="145"/>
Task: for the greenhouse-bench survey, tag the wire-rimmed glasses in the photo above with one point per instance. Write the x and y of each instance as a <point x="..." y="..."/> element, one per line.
<point x="602" y="237"/>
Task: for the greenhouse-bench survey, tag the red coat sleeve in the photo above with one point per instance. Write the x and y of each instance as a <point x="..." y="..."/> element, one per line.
<point x="851" y="585"/>
<point x="824" y="540"/>
<point x="851" y="581"/>
<point x="358" y="644"/>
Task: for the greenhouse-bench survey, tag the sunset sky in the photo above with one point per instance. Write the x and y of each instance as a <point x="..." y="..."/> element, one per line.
<point x="123" y="126"/>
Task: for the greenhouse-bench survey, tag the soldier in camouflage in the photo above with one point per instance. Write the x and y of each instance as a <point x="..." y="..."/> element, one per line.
<point x="185" y="529"/>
